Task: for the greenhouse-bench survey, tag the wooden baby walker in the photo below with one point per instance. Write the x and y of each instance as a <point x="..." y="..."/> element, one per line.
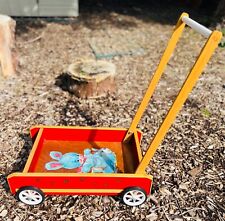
<point x="131" y="183"/>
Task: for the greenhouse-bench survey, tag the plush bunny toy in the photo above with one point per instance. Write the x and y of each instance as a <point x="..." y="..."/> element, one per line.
<point x="67" y="161"/>
<point x="94" y="160"/>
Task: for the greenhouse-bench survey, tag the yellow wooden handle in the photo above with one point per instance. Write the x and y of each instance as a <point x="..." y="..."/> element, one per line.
<point x="157" y="75"/>
<point x="189" y="83"/>
<point x="208" y="49"/>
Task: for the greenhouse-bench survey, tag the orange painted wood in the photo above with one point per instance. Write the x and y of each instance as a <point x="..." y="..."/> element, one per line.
<point x="76" y="139"/>
<point x="74" y="146"/>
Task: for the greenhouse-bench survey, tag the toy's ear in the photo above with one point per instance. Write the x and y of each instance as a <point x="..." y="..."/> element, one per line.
<point x="55" y="155"/>
<point x="53" y="165"/>
<point x="87" y="152"/>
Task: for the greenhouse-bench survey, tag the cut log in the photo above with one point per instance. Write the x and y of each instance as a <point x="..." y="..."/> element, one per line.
<point x="8" y="56"/>
<point x="90" y="78"/>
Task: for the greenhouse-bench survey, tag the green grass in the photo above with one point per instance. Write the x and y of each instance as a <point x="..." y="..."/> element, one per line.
<point x="205" y="112"/>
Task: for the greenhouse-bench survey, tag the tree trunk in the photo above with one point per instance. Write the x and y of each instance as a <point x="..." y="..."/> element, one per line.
<point x="90" y="78"/>
<point x="8" y="58"/>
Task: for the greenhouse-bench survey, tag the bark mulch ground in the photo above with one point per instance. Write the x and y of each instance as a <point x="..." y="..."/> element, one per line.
<point x="189" y="166"/>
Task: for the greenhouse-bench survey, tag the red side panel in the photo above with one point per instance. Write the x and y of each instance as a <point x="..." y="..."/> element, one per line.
<point x="76" y="182"/>
<point x="82" y="134"/>
<point x="34" y="131"/>
<point x="37" y="154"/>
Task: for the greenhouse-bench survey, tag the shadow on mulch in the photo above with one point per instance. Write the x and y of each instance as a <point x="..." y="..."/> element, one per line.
<point x="74" y="107"/>
<point x="94" y="13"/>
<point x="21" y="160"/>
<point x="66" y="83"/>
<point x="26" y="24"/>
<point x="23" y="25"/>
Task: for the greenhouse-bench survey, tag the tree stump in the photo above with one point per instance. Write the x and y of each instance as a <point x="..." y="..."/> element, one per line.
<point x="8" y="58"/>
<point x="90" y="78"/>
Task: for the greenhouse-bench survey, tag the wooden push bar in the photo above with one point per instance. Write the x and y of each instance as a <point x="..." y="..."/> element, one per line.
<point x="204" y="56"/>
<point x="196" y="26"/>
<point x="156" y="77"/>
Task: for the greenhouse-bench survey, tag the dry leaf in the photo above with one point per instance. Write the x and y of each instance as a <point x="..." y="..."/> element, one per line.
<point x="152" y="217"/>
<point x="194" y="172"/>
<point x="164" y="191"/>
<point x="3" y="213"/>
<point x="153" y="199"/>
<point x="183" y="186"/>
<point x="79" y="218"/>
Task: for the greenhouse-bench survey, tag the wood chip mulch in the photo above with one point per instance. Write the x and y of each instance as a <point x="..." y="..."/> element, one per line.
<point x="189" y="166"/>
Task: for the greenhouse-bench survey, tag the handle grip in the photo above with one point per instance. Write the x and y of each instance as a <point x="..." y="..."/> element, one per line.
<point x="196" y="26"/>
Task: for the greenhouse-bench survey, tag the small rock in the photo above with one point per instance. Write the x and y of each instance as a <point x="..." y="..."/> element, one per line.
<point x="111" y="214"/>
<point x="153" y="199"/>
<point x="210" y="147"/>
<point x="79" y="218"/>
<point x="4" y="213"/>
<point x="71" y="210"/>
<point x="194" y="172"/>
<point x="183" y="186"/>
<point x="153" y="216"/>
<point x="58" y="211"/>
<point x="106" y="199"/>
<point x="96" y="200"/>
<point x="2" y="207"/>
<point x="164" y="191"/>
<point x="97" y="213"/>
<point x="142" y="216"/>
<point x="192" y="213"/>
<point x="63" y="217"/>
<point x="133" y="209"/>
<point x="16" y="218"/>
<point x="64" y="209"/>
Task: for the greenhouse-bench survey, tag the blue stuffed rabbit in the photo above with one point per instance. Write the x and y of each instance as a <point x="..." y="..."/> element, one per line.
<point x="67" y="161"/>
<point x="94" y="160"/>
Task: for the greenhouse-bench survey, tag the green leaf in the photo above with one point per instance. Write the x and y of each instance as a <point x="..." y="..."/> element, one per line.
<point x="205" y="112"/>
<point x="223" y="31"/>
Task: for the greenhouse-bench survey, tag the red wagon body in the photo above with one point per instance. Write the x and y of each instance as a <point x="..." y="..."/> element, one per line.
<point x="76" y="139"/>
